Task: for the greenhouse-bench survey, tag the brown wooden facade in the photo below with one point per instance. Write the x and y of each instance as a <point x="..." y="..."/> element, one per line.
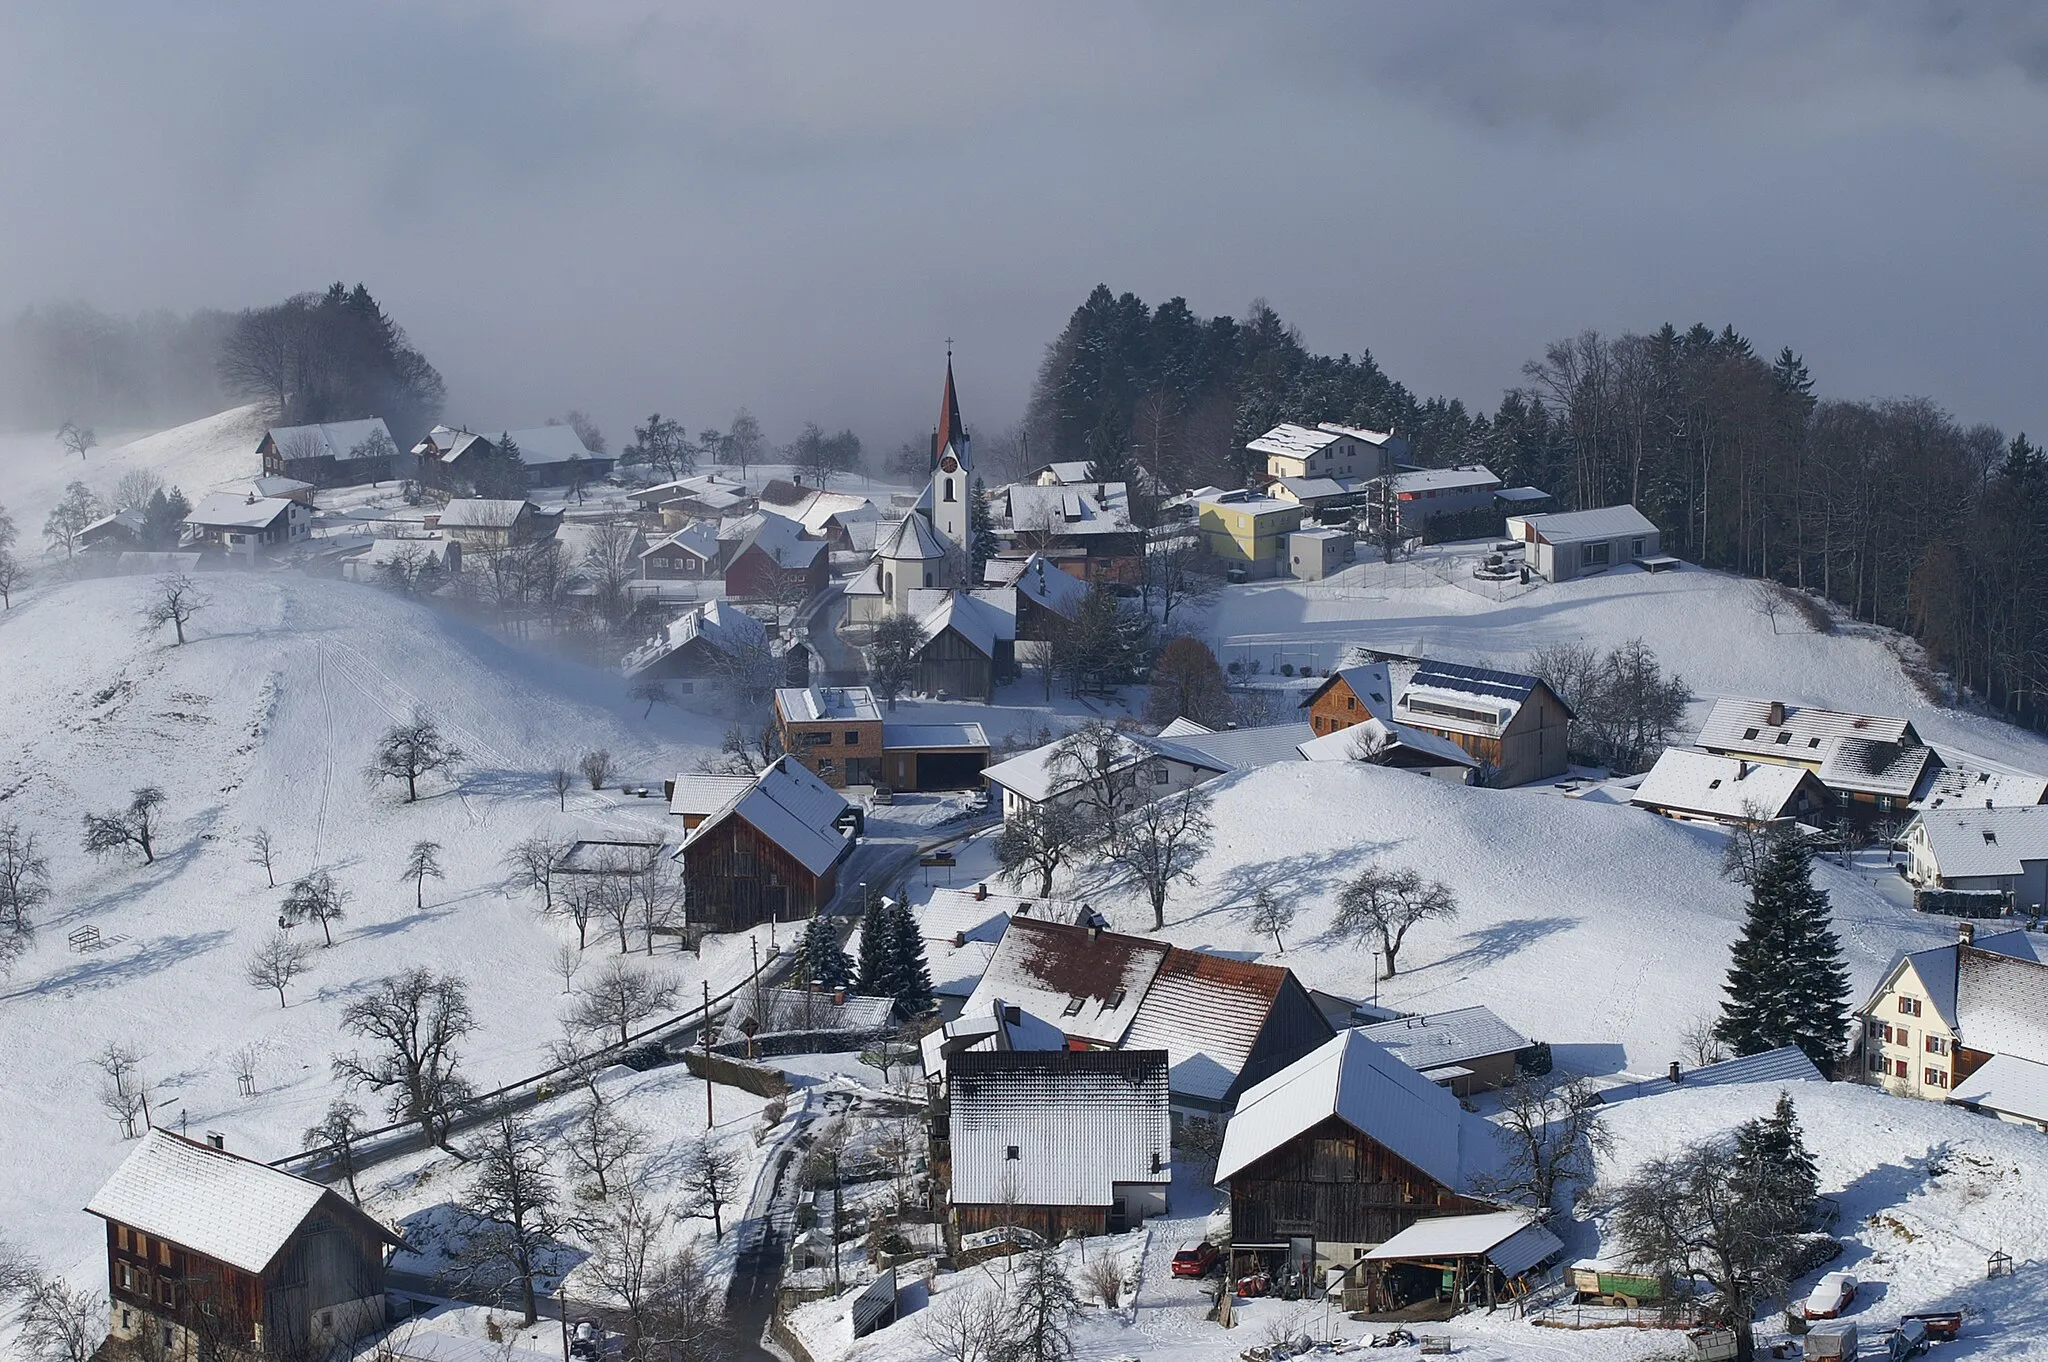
<point x="840" y="752"/>
<point x="950" y="665"/>
<point x="736" y="877"/>
<point x="755" y="575"/>
<point x="1055" y="1223"/>
<point x="1337" y="1185"/>
<point x="1336" y="707"/>
<point x="1531" y="747"/>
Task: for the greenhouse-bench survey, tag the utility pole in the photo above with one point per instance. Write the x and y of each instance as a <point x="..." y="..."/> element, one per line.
<point x="562" y="1291"/>
<point x="704" y="1026"/>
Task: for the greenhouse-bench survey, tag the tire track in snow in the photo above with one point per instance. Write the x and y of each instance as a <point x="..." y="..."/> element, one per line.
<point x="327" y="766"/>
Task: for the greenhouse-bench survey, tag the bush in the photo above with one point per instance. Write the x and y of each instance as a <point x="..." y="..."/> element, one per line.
<point x="1287" y="669"/>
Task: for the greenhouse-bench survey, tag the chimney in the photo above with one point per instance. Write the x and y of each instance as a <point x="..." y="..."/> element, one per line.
<point x="1777" y="714"/>
<point x="1093" y="931"/>
<point x="1742" y="770"/>
<point x="1674" y="1072"/>
<point x="981" y="891"/>
<point x="959" y="940"/>
<point x="1012" y="1013"/>
<point x="1966" y="931"/>
<point x="838" y="997"/>
<point x="216" y="1139"/>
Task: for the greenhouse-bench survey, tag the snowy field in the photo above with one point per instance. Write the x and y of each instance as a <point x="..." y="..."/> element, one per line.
<point x="199" y="457"/>
<point x="266" y="718"/>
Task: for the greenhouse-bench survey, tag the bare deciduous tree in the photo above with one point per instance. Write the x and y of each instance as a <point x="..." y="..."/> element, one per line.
<point x="893" y="648"/>
<point x="418" y="1018"/>
<point x="77" y="439"/>
<point x="611" y="562"/>
<point x="134" y="826"/>
<point x="534" y="860"/>
<point x="339" y="1130"/>
<point x="1551" y="1129"/>
<point x="1038" y="840"/>
<point x="601" y="1143"/>
<point x="567" y="960"/>
<point x="59" y="1324"/>
<point x="960" y="1327"/>
<point x="24" y="878"/>
<point x="711" y="1174"/>
<point x="621" y="997"/>
<point x="68" y="519"/>
<point x="513" y="1191"/>
<point x="12" y="575"/>
<point x="653" y="693"/>
<point x="174" y="601"/>
<point x="596" y="767"/>
<point x="315" y="897"/>
<point x="1271" y="913"/>
<point x="406" y="751"/>
<point x="1159" y="842"/>
<point x="263" y="852"/>
<point x="625" y="1263"/>
<point x="277" y="962"/>
<point x="1385" y="904"/>
<point x="123" y="1092"/>
<point x="422" y="863"/>
<point x="561" y="780"/>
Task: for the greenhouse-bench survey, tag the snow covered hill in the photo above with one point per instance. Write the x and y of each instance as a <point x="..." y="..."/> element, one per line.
<point x="197" y="456"/>
<point x="1599" y="928"/>
<point x="266" y="718"/>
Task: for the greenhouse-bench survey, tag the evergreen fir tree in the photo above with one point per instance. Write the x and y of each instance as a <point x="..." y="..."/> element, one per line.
<point x="909" y="972"/>
<point x="820" y="961"/>
<point x="981" y="533"/>
<point x="1787" y="983"/>
<point x="1775" y="1167"/>
<point x="875" y="979"/>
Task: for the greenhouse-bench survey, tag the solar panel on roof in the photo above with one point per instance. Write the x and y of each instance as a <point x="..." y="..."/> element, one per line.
<point x="1478" y="680"/>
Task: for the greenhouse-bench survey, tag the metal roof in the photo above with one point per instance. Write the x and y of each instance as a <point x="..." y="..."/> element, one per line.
<point x="1444" y="1038"/>
<point x="331" y="439"/>
<point x="1513" y="1240"/>
<point x="1366" y="1086"/>
<point x="1787" y="1064"/>
<point x="912" y="539"/>
<point x="1720" y="787"/>
<point x="1363" y="434"/>
<point x="1031" y="774"/>
<point x="1605" y="522"/>
<point x="797" y="1009"/>
<point x="1378" y="736"/>
<point x="978" y="621"/>
<point x="1238" y="749"/>
<point x="809" y="704"/>
<point x="705" y="795"/>
<point x="1445" y="479"/>
<point x="928" y="737"/>
<point x="1368" y="681"/>
<point x="482" y="513"/>
<point x="2002" y="1004"/>
<point x="2008" y="1085"/>
<point x="1059" y="592"/>
<point x="220" y="1205"/>
<point x="543" y="445"/>
<point x="782" y="539"/>
<point x="1081" y="1122"/>
<point x="793" y="809"/>
<point x="699" y="539"/>
<point x="1206" y="1012"/>
<point x="1967" y="843"/>
<point x="1457" y="678"/>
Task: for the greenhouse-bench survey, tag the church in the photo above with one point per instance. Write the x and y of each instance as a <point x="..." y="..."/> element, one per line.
<point x="929" y="549"/>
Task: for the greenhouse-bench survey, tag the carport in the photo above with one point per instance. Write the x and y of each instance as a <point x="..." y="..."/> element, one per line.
<point x="934" y="756"/>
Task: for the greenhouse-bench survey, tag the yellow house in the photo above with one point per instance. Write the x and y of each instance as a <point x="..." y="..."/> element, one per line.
<point x="1246" y="529"/>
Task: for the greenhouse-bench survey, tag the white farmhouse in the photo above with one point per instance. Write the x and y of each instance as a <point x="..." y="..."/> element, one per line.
<point x="1573" y="543"/>
<point x="2000" y="850"/>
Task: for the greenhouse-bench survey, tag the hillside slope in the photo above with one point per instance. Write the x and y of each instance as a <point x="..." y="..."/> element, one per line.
<point x="267" y="718"/>
<point x="197" y="456"/>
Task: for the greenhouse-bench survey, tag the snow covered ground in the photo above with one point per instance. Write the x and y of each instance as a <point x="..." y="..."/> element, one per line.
<point x="198" y="456"/>
<point x="266" y="718"/>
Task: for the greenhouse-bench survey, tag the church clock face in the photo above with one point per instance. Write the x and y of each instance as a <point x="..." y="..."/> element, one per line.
<point x="950" y="464"/>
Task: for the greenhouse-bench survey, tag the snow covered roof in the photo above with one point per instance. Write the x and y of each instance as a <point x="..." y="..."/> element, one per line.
<point x="1368" y="681"/>
<point x="1966" y="843"/>
<point x="1453" y="696"/>
<point x="811" y="704"/>
<point x="797" y="1009"/>
<point x="699" y="541"/>
<point x="1720" y="787"/>
<point x="1872" y="766"/>
<point x="1968" y="782"/>
<point x="1937" y="967"/>
<point x="272" y="486"/>
<point x="782" y="539"/>
<point x="866" y="582"/>
<point x="483" y="513"/>
<point x="410" y="1347"/>
<point x="979" y="622"/>
<point x="1605" y="522"/>
<point x="933" y="737"/>
<point x="1079" y="1123"/>
<point x="2008" y="1085"/>
<point x="233" y="511"/>
<point x="1362" y="1083"/>
<point x="331" y="439"/>
<point x="2002" y="1004"/>
<point x="961" y="932"/>
<point x="543" y="445"/>
<point x="816" y="509"/>
<point x="1033" y="776"/>
<point x="1235" y="749"/>
<point x="1206" y="1012"/>
<point x="220" y="1205"/>
<point x="1097" y="508"/>
<point x="1293" y="441"/>
<point x="793" y="809"/>
<point x="1786" y="1064"/>
<point x="1319" y="489"/>
<point x="1803" y="733"/>
<point x="1088" y="983"/>
<point x="1387" y="739"/>
<point x="1441" y="1038"/>
<point x="1250" y="504"/>
<point x="911" y="540"/>
<point x="1059" y="592"/>
<point x="1473" y="479"/>
<point x="703" y="795"/>
<point x="1065" y="473"/>
<point x="1363" y="434"/>
<point x="1513" y="1240"/>
<point x="998" y="1026"/>
<point x="1521" y="494"/>
<point x="724" y="627"/>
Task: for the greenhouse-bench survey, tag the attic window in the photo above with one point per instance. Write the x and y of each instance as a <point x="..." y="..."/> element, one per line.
<point x="1116" y="1000"/>
<point x="1813" y="742"/>
<point x="1990" y="838"/>
<point x="1784" y="738"/>
<point x="1011" y="1154"/>
<point x="1073" y="1006"/>
<point x="1714" y="784"/>
<point x="1748" y="733"/>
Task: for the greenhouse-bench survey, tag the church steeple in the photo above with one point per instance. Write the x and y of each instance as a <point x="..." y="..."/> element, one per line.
<point x="951" y="429"/>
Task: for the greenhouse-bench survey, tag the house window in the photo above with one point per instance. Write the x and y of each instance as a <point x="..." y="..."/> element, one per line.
<point x="1784" y="738"/>
<point x="851" y="737"/>
<point x="1748" y="734"/>
<point x="1934" y="1078"/>
<point x="1596" y="555"/>
<point x="1160" y="775"/>
<point x="1878" y="1064"/>
<point x="170" y="1341"/>
<point x="1937" y="1045"/>
<point x="1875" y="1029"/>
<point x="1073" y="1006"/>
<point x="1909" y="1007"/>
<point x="1901" y="1069"/>
<point x="163" y="1253"/>
<point x="1635" y="548"/>
<point x="121" y="1237"/>
<point x="1011" y="1153"/>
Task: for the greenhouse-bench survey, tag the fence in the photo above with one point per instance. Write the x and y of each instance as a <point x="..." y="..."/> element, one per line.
<point x="404" y="1137"/>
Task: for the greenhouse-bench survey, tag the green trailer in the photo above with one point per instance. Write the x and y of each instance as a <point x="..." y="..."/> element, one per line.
<point x="1600" y="1286"/>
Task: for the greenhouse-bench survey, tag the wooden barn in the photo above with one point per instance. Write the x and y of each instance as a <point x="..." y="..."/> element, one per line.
<point x="1059" y="1142"/>
<point x="333" y="454"/>
<point x="1340" y="1152"/>
<point x="772" y="853"/>
<point x="1515" y="725"/>
<point x="209" y="1254"/>
<point x="967" y="648"/>
<point x="1349" y="696"/>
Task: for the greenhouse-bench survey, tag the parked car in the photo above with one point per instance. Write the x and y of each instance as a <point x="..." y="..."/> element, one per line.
<point x="1194" y="1260"/>
<point x="1831" y="1295"/>
<point x="1908" y="1340"/>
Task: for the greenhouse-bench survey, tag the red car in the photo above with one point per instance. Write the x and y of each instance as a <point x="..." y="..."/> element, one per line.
<point x="1194" y="1260"/>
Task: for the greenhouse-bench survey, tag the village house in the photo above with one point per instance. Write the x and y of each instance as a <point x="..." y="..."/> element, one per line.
<point x="1998" y="851"/>
<point x="1871" y="766"/>
<point x="1224" y="1024"/>
<point x="1515" y="725"/>
<point x="549" y="456"/>
<point x="333" y="454"/>
<point x="706" y="644"/>
<point x="961" y="928"/>
<point x="1422" y="494"/>
<point x="969" y="643"/>
<point x="1703" y="787"/>
<point x="1313" y="555"/>
<point x="845" y="520"/>
<point x="249" y="527"/>
<point x="1086" y="529"/>
<point x="209" y="1252"/>
<point x="1047" y="775"/>
<point x="1571" y="544"/>
<point x="1326" y="499"/>
<point x="838" y="733"/>
<point x="702" y="496"/>
<point x="1046" y="599"/>
<point x="772" y="1010"/>
<point x="1247" y="532"/>
<point x="1966" y="783"/>
<point x="1350" y="695"/>
<point x="1340" y="1152"/>
<point x="771" y="854"/>
<point x="1383" y="742"/>
<point x="111" y="533"/>
<point x="1329" y="451"/>
<point x="689" y="554"/>
<point x="994" y="1027"/>
<point x="1467" y="1050"/>
<point x="483" y="525"/>
<point x="1963" y="1023"/>
<point x="1058" y="1142"/>
<point x="776" y="561"/>
<point x="696" y="796"/>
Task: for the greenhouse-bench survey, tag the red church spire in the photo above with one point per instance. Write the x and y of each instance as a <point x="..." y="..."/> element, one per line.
<point x="951" y="427"/>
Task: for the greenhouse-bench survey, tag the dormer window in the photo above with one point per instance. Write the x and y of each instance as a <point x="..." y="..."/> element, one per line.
<point x="1784" y="738"/>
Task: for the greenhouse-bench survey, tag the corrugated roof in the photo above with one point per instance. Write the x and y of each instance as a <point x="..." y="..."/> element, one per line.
<point x="2002" y="1004"/>
<point x="1089" y="985"/>
<point x="228" y="1208"/>
<point x="1967" y="843"/>
<point x="2009" y="1085"/>
<point x="1787" y="1064"/>
<point x="704" y="795"/>
<point x="1033" y="776"/>
<point x="1720" y="787"/>
<point x="1363" y="1084"/>
<point x="1205" y="1011"/>
<point x="1512" y="1239"/>
<point x="1080" y="1121"/>
<point x="1442" y="1038"/>
<point x="1605" y="522"/>
<point x="926" y="737"/>
<point x="793" y="809"/>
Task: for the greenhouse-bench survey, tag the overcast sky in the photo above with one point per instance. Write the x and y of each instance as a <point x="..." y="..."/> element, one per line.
<point x="637" y="204"/>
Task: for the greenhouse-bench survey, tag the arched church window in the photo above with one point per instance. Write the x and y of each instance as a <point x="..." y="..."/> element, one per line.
<point x="949" y="489"/>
